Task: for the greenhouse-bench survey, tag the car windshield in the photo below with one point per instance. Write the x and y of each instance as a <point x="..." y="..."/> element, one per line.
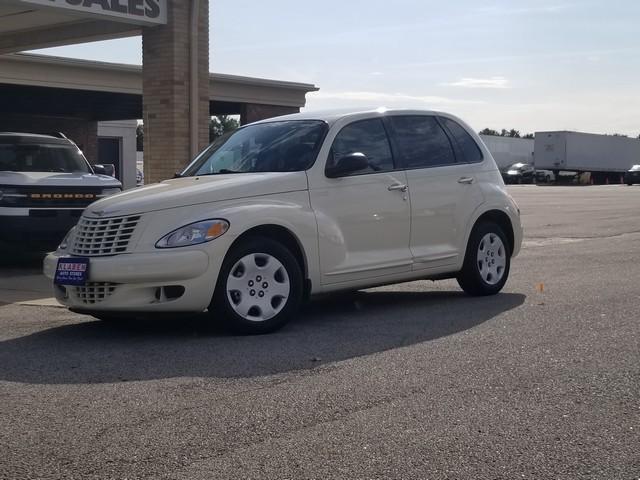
<point x="285" y="146"/>
<point x="635" y="168"/>
<point x="42" y="158"/>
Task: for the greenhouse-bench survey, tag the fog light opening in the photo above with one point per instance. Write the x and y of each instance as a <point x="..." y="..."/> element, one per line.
<point x="173" y="292"/>
<point x="63" y="291"/>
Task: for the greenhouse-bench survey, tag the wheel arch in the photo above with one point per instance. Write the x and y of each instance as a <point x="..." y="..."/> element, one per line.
<point x="284" y="236"/>
<point x="500" y="218"/>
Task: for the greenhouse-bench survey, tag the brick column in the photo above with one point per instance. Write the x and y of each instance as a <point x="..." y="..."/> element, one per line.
<point x="166" y="84"/>
<point x="252" y="112"/>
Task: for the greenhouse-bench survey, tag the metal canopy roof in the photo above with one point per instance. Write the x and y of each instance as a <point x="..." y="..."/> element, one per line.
<point x="40" y="84"/>
<point x="27" y="27"/>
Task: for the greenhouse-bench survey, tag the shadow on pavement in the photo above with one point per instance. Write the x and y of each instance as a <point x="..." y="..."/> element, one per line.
<point x="330" y="330"/>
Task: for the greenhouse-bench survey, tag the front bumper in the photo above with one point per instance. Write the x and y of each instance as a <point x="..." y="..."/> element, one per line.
<point x="39" y="227"/>
<point x="172" y="281"/>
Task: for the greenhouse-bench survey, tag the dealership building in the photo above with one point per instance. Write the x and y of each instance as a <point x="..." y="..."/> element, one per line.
<point x="97" y="104"/>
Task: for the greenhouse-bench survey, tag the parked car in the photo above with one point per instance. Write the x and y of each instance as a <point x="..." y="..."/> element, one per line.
<point x="45" y="184"/>
<point x="545" y="176"/>
<point x="633" y="175"/>
<point x="519" y="173"/>
<point x="300" y="205"/>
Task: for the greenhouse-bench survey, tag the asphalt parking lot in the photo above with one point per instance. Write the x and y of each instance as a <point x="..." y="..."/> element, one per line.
<point x="411" y="381"/>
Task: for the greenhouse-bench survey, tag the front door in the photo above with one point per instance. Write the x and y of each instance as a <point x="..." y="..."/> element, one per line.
<point x="363" y="217"/>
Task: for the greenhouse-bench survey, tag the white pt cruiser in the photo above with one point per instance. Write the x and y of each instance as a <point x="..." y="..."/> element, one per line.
<point x="296" y="206"/>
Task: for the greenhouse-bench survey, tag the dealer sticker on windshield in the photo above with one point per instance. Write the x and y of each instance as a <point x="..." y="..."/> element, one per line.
<point x="72" y="271"/>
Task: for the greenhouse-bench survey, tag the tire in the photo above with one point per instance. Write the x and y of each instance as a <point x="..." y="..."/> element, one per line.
<point x="259" y="288"/>
<point x="475" y="278"/>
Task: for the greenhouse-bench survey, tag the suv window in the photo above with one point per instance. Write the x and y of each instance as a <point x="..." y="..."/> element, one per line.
<point x="467" y="147"/>
<point x="422" y="142"/>
<point x="368" y="137"/>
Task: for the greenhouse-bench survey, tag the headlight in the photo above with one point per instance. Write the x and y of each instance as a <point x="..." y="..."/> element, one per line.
<point x="65" y="241"/>
<point x="513" y="172"/>
<point x="109" y="191"/>
<point x="193" y="234"/>
<point x="10" y="195"/>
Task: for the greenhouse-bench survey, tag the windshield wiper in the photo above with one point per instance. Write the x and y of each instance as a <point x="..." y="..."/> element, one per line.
<point x="222" y="171"/>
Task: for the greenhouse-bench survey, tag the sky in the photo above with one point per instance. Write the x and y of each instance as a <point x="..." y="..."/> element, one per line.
<point x="529" y="65"/>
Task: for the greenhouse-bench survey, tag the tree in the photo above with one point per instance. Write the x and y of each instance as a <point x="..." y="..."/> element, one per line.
<point x="529" y="135"/>
<point x="513" y="133"/>
<point x="221" y="124"/>
<point x="140" y="137"/>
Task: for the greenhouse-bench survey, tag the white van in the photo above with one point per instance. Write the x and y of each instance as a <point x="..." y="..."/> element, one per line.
<point x="45" y="184"/>
<point x="295" y="206"/>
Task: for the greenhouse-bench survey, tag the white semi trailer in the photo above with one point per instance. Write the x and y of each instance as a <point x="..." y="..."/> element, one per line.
<point x="606" y="157"/>
<point x="507" y="150"/>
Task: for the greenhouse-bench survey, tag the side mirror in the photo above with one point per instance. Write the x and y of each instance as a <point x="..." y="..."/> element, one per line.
<point x="351" y="163"/>
<point x="105" y="169"/>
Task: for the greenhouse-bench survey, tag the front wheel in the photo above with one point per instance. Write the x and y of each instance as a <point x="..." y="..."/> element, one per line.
<point x="259" y="287"/>
<point x="487" y="261"/>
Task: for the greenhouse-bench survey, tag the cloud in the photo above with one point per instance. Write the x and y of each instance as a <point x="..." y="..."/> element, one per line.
<point x="468" y="82"/>
<point x="390" y="99"/>
<point x="529" y="10"/>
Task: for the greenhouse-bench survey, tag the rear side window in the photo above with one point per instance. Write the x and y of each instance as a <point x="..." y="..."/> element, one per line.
<point x="368" y="137"/>
<point x="422" y="142"/>
<point x="467" y="147"/>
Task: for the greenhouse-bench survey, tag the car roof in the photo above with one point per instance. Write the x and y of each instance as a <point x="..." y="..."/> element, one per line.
<point x="31" y="138"/>
<point x="333" y="115"/>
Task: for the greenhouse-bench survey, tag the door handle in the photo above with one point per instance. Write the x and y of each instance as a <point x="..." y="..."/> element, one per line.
<point x="398" y="187"/>
<point x="466" y="180"/>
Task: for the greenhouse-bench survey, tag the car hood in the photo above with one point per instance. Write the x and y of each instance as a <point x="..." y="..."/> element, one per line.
<point x="56" y="179"/>
<point x="182" y="192"/>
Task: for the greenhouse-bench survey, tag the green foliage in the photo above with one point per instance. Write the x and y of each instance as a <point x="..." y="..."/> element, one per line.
<point x="140" y="137"/>
<point x="513" y="133"/>
<point x="221" y="124"/>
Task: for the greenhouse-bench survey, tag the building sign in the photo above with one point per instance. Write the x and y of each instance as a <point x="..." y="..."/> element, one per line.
<point x="149" y="12"/>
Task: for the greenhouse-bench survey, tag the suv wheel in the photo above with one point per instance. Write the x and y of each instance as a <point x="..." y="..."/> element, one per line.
<point x="487" y="261"/>
<point x="259" y="287"/>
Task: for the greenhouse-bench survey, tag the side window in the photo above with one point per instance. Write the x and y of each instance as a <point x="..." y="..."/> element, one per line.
<point x="368" y="137"/>
<point x="467" y="146"/>
<point x="422" y="142"/>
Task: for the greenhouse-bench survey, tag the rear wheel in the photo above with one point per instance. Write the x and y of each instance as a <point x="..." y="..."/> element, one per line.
<point x="487" y="261"/>
<point x="259" y="287"/>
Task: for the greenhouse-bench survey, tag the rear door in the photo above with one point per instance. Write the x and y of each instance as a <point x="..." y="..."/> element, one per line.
<point x="443" y="188"/>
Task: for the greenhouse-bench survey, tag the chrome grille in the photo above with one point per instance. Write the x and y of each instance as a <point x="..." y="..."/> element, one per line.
<point x="93" y="293"/>
<point x="104" y="236"/>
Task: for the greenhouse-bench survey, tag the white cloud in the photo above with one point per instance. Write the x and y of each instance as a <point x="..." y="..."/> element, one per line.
<point x="529" y="10"/>
<point x="388" y="99"/>
<point x="468" y="82"/>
